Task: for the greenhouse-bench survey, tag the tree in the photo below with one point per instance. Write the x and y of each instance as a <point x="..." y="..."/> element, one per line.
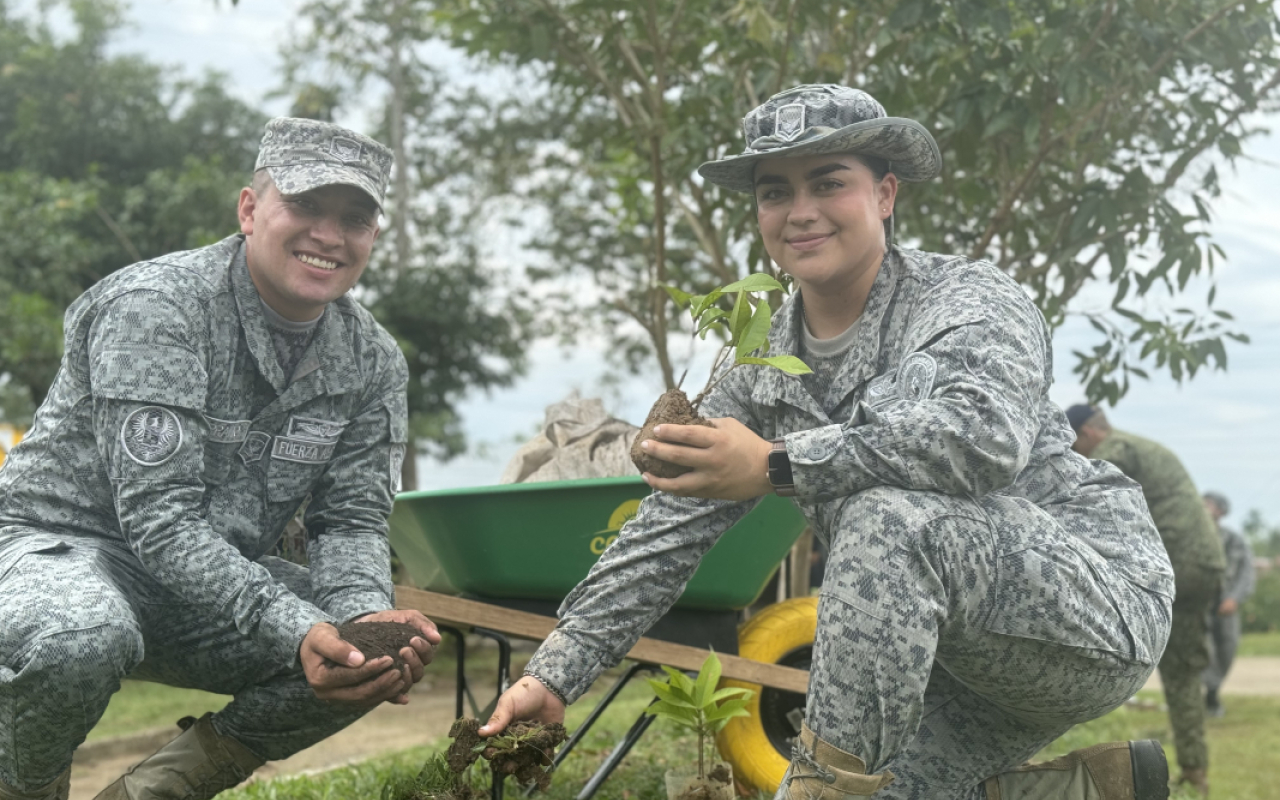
<point x="103" y="161"/>
<point x="1079" y="141"/>
<point x="431" y="287"/>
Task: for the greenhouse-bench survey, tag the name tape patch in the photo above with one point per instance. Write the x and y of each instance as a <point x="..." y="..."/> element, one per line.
<point x="302" y="451"/>
<point x="227" y="431"/>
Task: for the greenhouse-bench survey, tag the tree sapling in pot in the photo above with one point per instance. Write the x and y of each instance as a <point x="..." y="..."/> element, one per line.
<point x="697" y="705"/>
<point x="746" y="329"/>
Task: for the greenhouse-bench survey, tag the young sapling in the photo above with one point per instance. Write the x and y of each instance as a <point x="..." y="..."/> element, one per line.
<point x="745" y="328"/>
<point x="697" y="705"/>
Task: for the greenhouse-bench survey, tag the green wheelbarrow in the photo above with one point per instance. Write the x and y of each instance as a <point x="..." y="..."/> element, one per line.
<point x="523" y="546"/>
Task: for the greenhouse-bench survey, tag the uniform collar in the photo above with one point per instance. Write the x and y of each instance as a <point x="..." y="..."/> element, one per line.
<point x="321" y="369"/>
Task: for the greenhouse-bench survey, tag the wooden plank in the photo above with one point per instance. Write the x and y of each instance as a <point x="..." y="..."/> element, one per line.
<point x="450" y="610"/>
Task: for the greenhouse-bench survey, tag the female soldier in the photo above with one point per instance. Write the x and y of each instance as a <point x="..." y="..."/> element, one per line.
<point x="987" y="588"/>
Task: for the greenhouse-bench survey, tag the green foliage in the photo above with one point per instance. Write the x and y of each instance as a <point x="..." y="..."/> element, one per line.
<point x="744" y="327"/>
<point x="104" y="161"/>
<point x="695" y="704"/>
<point x="1079" y="142"/>
<point x="1261" y="612"/>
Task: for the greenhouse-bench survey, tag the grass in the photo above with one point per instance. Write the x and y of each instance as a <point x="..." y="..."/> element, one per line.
<point x="1259" y="644"/>
<point x="1242" y="744"/>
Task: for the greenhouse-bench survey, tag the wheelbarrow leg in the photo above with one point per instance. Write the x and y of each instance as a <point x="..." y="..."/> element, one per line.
<point x="615" y="758"/>
<point x="463" y="690"/>
<point x="504" y="666"/>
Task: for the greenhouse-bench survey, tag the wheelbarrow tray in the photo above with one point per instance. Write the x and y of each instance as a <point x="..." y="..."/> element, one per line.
<point x="536" y="541"/>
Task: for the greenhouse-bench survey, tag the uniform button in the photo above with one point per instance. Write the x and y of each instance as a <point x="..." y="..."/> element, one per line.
<point x="816" y="453"/>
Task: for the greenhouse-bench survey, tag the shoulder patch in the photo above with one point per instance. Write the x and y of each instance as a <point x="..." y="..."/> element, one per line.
<point x="151" y="435"/>
<point x="915" y="377"/>
<point x="255" y="444"/>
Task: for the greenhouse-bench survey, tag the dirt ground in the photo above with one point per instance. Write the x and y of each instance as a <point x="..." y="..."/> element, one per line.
<point x="427" y="718"/>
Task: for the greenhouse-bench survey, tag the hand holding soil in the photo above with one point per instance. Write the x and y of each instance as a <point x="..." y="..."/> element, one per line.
<point x="527" y="699"/>
<point x="369" y="661"/>
<point x="726" y="461"/>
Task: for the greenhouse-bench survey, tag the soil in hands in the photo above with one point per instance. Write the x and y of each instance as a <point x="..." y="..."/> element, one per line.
<point x="524" y="750"/>
<point x="378" y="639"/>
<point x="672" y="408"/>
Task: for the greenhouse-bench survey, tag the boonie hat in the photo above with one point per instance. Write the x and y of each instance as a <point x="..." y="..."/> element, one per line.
<point x="304" y="154"/>
<point x="827" y="118"/>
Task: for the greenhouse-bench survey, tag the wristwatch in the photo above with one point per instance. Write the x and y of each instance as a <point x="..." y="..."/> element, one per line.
<point x="780" y="469"/>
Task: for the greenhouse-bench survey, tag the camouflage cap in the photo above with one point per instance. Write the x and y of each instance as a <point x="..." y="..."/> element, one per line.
<point x="304" y="154"/>
<point x="827" y="118"/>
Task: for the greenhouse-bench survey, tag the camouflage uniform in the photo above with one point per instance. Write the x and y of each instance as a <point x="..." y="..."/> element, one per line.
<point x="986" y="587"/>
<point x="135" y="518"/>
<point x="1195" y="551"/>
<point x="1224" y="629"/>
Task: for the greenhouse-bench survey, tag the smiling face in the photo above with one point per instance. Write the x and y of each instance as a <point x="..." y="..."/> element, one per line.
<point x="306" y="250"/>
<point x="822" y="218"/>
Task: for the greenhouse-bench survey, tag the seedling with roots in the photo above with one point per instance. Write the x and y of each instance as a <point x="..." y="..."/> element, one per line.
<point x="745" y="327"/>
<point x="696" y="704"/>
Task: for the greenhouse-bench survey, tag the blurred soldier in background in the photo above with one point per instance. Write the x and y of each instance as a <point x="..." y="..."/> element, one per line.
<point x="1195" y="551"/>
<point x="1224" y="621"/>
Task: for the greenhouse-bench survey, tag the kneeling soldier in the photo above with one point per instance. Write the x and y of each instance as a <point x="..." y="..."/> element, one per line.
<point x="204" y="396"/>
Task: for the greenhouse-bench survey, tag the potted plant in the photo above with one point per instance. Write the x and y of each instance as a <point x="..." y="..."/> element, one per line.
<point x="745" y="327"/>
<point x="697" y="705"/>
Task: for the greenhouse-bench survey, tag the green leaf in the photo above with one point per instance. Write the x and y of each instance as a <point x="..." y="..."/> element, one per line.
<point x="708" y="677"/>
<point x="705" y="303"/>
<point x="788" y="364"/>
<point x="757" y="333"/>
<point x="682" y="298"/>
<point x="739" y="317"/>
<point x="731" y="691"/>
<point x="677" y="714"/>
<point x="755" y="282"/>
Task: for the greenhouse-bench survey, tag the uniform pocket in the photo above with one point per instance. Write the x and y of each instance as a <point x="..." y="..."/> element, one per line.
<point x="295" y="466"/>
<point x="1053" y="593"/>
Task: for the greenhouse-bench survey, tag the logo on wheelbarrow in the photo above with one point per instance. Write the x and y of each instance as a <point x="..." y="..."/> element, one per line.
<point x="621" y="515"/>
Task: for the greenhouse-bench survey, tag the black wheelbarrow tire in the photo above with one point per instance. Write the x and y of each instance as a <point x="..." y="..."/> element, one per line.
<point x="758" y="746"/>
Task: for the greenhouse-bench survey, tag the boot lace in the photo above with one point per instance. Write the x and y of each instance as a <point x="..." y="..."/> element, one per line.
<point x="800" y="757"/>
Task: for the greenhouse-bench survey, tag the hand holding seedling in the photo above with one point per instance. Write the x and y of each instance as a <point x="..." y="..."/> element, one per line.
<point x="728" y="461"/>
<point x="732" y="463"/>
<point x="339" y="673"/>
<point x="527" y="699"/>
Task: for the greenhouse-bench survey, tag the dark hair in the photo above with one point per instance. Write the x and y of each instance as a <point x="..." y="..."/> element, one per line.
<point x="879" y="166"/>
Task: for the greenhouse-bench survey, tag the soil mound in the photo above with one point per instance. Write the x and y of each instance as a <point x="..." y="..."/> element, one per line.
<point x="377" y="639"/>
<point x="672" y="408"/>
<point x="524" y="750"/>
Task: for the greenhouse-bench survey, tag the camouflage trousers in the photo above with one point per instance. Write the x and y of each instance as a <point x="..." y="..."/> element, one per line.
<point x="80" y="615"/>
<point x="946" y="653"/>
<point x="1183" y="664"/>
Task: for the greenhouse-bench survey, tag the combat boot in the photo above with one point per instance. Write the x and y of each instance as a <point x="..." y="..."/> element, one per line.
<point x="1197" y="778"/>
<point x="57" y="789"/>
<point x="1109" y="771"/>
<point x="195" y="766"/>
<point x="819" y="771"/>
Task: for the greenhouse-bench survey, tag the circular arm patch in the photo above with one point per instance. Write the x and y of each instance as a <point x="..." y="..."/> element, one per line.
<point x="151" y="435"/>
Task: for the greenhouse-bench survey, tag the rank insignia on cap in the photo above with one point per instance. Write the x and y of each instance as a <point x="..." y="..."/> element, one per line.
<point x="346" y="149"/>
<point x="915" y="379"/>
<point x="151" y="435"/>
<point x="789" y="121"/>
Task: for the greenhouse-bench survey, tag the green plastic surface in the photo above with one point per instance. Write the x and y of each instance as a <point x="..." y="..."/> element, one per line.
<point x="536" y="541"/>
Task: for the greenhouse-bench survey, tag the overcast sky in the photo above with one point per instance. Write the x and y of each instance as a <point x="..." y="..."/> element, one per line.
<point x="1224" y="426"/>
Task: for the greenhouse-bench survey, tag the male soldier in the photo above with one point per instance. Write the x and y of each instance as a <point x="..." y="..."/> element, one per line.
<point x="1224" y="622"/>
<point x="1196" y="555"/>
<point x="203" y="397"/>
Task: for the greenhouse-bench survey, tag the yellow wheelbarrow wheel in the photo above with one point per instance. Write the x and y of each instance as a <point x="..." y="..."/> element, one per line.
<point x="759" y="746"/>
